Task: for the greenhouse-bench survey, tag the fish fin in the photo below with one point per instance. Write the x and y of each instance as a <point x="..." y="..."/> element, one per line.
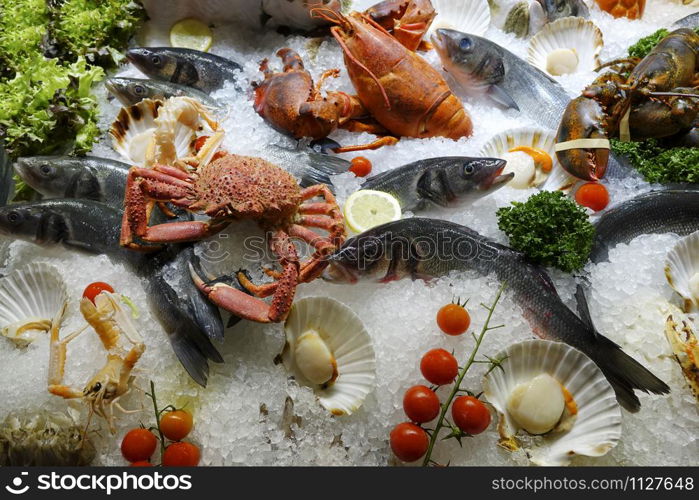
<point x="205" y="313"/>
<point x="433" y="186"/>
<point x="497" y="94"/>
<point x="626" y="374"/>
<point x="583" y="308"/>
<point x="191" y="358"/>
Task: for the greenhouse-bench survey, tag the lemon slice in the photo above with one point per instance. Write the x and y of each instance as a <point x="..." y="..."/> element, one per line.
<point x="367" y="208"/>
<point x="191" y="33"/>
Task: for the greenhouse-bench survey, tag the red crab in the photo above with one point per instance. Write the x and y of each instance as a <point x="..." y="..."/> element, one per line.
<point x="234" y="187"/>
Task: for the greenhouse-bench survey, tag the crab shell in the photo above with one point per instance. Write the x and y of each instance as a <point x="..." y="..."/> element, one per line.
<point x="31" y="299"/>
<point x="329" y="349"/>
<point x="577" y="40"/>
<point x="592" y="424"/>
<point x="467" y="16"/>
<point x="499" y="146"/>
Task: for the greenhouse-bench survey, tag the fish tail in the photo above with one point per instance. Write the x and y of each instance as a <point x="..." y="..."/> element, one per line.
<point x="191" y="358"/>
<point x="626" y="374"/>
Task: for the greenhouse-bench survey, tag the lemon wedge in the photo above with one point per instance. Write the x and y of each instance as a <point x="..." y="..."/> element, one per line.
<point x="191" y="33"/>
<point x="368" y="208"/>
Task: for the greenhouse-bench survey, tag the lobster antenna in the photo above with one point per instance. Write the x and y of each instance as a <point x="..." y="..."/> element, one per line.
<point x="674" y="94"/>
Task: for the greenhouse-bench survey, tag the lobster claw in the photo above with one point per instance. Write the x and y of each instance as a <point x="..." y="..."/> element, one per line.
<point x="581" y="124"/>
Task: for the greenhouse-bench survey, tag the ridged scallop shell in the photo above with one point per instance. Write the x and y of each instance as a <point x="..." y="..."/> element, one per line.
<point x="155" y="131"/>
<point x="682" y="268"/>
<point x="350" y="344"/>
<point x="467" y="16"/>
<point x="30" y="299"/>
<point x="596" y="428"/>
<point x="574" y="33"/>
<point x="502" y="143"/>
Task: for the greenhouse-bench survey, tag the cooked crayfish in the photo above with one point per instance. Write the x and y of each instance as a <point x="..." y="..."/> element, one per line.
<point x="114" y="380"/>
<point x="652" y="102"/>
<point x="230" y="188"/>
<point x="398" y="92"/>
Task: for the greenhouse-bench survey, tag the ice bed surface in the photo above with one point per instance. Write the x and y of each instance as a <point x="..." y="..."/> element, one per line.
<point x="240" y="418"/>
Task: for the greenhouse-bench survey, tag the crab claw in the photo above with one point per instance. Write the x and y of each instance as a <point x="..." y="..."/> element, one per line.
<point x="226" y="293"/>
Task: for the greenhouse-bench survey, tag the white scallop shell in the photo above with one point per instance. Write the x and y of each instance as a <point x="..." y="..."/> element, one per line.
<point x="575" y="33"/>
<point x="350" y="344"/>
<point x="30" y="299"/>
<point x="502" y="143"/>
<point x="155" y="131"/>
<point x="467" y="16"/>
<point x="597" y="427"/>
<point x="682" y="268"/>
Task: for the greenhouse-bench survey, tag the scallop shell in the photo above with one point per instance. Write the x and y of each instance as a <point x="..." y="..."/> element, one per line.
<point x="682" y="270"/>
<point x="146" y="132"/>
<point x="596" y="428"/>
<point x="467" y="16"/>
<point x="30" y="299"/>
<point x="350" y="344"/>
<point x="502" y="143"/>
<point x="569" y="33"/>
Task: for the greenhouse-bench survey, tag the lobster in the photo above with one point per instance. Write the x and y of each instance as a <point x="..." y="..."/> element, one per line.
<point x="398" y="92"/>
<point x="655" y="100"/>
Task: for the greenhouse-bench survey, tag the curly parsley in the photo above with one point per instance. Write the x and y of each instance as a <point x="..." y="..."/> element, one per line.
<point x="550" y="229"/>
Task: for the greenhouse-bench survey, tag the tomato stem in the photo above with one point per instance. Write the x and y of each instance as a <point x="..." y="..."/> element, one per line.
<point x="457" y="384"/>
<point x="157" y="419"/>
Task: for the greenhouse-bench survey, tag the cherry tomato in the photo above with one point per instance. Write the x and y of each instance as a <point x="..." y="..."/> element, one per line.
<point x="470" y="414"/>
<point x="361" y="167"/>
<point x="199" y="142"/>
<point x="141" y="463"/>
<point x="94" y="289"/>
<point x="181" y="454"/>
<point x="409" y="442"/>
<point x="439" y="366"/>
<point x="138" y="445"/>
<point x="420" y="404"/>
<point x="176" y="424"/>
<point x="453" y="319"/>
<point x="592" y="195"/>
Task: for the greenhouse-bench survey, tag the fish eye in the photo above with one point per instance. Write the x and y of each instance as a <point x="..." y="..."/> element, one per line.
<point x="139" y="89"/>
<point x="14" y="217"/>
<point x="45" y="169"/>
<point x="465" y="44"/>
<point x="468" y="169"/>
<point x="155" y="60"/>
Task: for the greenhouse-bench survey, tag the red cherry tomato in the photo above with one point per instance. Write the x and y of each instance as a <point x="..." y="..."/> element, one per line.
<point x="94" y="289"/>
<point x="439" y="366"/>
<point x="420" y="404"/>
<point x="361" y="167"/>
<point x="592" y="195"/>
<point x="175" y="425"/>
<point x="453" y="319"/>
<point x="199" y="142"/>
<point x="470" y="414"/>
<point x="409" y="442"/>
<point x="141" y="463"/>
<point x="138" y="445"/>
<point x="181" y="454"/>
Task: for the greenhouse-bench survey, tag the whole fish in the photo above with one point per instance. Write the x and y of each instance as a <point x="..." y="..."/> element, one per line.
<point x="690" y="21"/>
<point x="6" y="184"/>
<point x="193" y="68"/>
<point x="441" y="181"/>
<point x="83" y="177"/>
<point x="424" y="248"/>
<point x="482" y="66"/>
<point x="131" y="91"/>
<point x="94" y="227"/>
<point x="656" y="212"/>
